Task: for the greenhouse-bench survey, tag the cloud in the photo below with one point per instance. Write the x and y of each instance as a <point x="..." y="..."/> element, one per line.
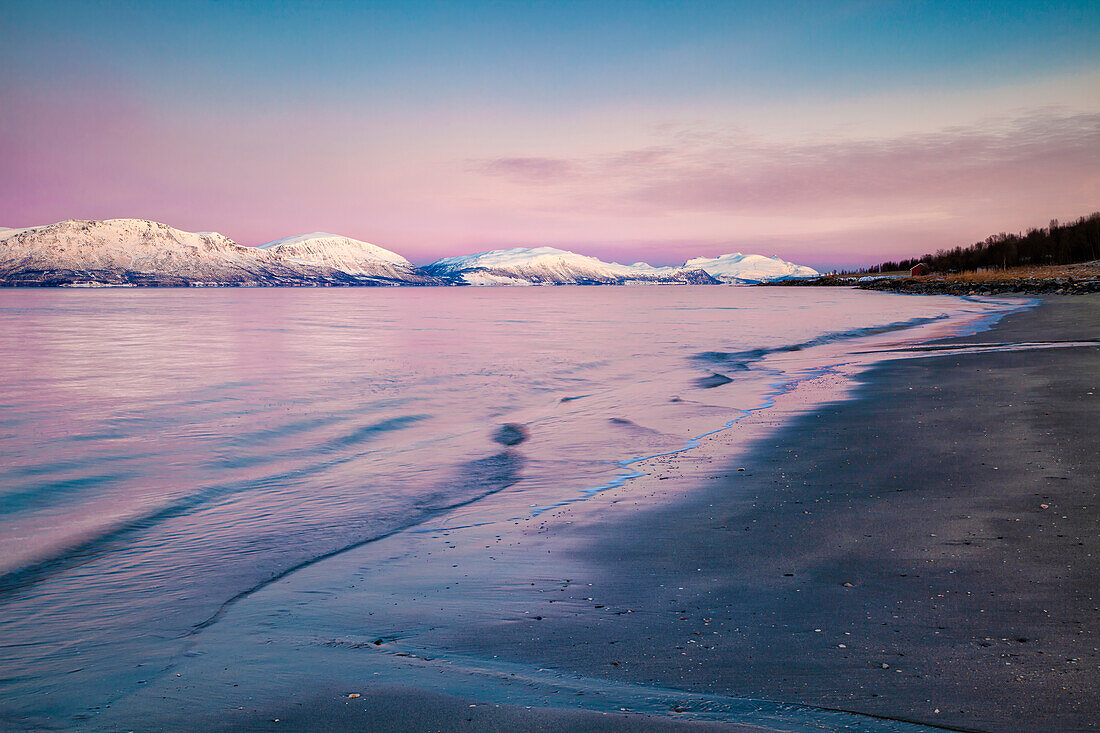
<point x="1044" y="155"/>
<point x="683" y="191"/>
<point x="531" y="170"/>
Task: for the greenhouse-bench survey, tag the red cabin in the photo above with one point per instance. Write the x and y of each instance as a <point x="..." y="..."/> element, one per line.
<point x="919" y="269"/>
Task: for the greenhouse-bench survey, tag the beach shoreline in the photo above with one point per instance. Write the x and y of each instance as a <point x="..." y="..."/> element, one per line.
<point x="924" y="551"/>
<point x="1075" y="279"/>
<point x="871" y="557"/>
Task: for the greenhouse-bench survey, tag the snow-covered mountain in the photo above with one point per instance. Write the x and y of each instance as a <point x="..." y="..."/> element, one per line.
<point x="550" y="266"/>
<point x="6" y="232"/>
<point x="126" y="251"/>
<point x="345" y="255"/>
<point x="139" y="252"/>
<point x="739" y="268"/>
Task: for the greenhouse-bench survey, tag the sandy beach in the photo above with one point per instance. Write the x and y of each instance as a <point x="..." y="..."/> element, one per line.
<point x="927" y="551"/>
<point x="922" y="555"/>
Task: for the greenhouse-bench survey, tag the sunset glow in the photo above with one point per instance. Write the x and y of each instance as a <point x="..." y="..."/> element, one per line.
<point x="631" y="131"/>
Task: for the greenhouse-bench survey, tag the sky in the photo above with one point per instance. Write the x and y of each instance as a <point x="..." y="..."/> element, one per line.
<point x="832" y="134"/>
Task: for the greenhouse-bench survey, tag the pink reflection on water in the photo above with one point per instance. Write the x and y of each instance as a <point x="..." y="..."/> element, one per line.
<point x="162" y="450"/>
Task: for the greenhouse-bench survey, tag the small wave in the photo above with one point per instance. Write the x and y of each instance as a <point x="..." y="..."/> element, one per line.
<point x="355" y="437"/>
<point x="369" y="432"/>
<point x="489" y="475"/>
<point x="712" y="380"/>
<point x="296" y="427"/>
<point x="113" y="536"/>
<point x="75" y="464"/>
<point x="740" y="360"/>
<point x="38" y="495"/>
<point x="635" y="428"/>
<point x="466" y="675"/>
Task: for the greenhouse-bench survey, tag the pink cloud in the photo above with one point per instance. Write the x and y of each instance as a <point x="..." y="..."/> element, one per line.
<point x="422" y="191"/>
<point x="1015" y="158"/>
<point x="532" y="170"/>
<point x="844" y="201"/>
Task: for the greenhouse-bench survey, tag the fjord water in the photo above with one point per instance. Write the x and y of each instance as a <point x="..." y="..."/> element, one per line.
<point x="163" y="452"/>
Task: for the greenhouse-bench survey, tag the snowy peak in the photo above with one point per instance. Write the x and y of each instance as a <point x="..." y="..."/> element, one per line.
<point x="6" y="232"/>
<point x="80" y="244"/>
<point x="551" y="266"/>
<point x="344" y="254"/>
<point x="127" y="252"/>
<point x="544" y="260"/>
<point x="738" y="267"/>
<point x="140" y="252"/>
<point x="322" y="244"/>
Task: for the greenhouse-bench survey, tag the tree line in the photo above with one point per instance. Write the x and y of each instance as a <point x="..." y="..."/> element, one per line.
<point x="1057" y="244"/>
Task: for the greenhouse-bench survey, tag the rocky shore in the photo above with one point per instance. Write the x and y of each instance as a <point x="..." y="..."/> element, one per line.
<point x="1057" y="280"/>
<point x="929" y="285"/>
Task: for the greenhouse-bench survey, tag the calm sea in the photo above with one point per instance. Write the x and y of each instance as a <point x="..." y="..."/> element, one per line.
<point x="162" y="451"/>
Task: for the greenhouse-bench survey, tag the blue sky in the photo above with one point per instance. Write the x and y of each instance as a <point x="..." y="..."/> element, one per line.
<point x="576" y="51"/>
<point x="421" y="97"/>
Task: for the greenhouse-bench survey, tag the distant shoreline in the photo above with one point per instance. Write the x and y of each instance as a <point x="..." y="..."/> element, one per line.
<point x="1054" y="279"/>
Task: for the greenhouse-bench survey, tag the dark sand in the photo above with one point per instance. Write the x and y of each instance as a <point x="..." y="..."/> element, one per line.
<point x="957" y="497"/>
<point x="416" y="710"/>
<point x="926" y="551"/>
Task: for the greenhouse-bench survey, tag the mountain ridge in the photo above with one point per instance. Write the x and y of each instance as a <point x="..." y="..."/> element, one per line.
<point x="344" y="254"/>
<point x="551" y="266"/>
<point x="751" y="268"/>
<point x="139" y="252"/>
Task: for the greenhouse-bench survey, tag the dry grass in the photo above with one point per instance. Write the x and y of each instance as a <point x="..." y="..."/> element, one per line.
<point x="1083" y="271"/>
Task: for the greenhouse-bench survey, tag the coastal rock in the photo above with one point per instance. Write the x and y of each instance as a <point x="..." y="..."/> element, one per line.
<point x="1087" y="280"/>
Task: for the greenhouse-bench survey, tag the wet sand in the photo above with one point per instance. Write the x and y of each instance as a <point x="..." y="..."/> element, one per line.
<point x="402" y="709"/>
<point x="925" y="552"/>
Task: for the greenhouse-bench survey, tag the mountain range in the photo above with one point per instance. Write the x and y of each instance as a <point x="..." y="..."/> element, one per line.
<point x="135" y="252"/>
